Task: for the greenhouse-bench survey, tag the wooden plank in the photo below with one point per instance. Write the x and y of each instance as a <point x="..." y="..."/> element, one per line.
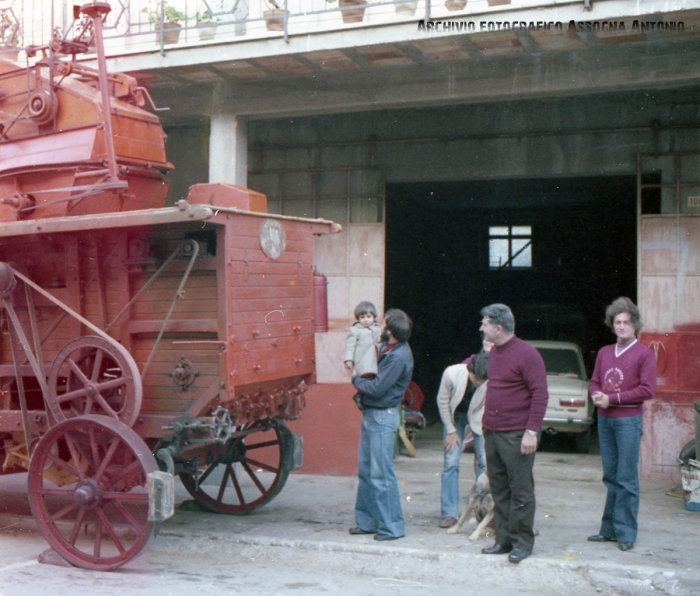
<point x="272" y="308"/>
<point x="266" y="281"/>
<point x="291" y="316"/>
<point x="183" y="309"/>
<point x="175" y="326"/>
<point x="271" y="292"/>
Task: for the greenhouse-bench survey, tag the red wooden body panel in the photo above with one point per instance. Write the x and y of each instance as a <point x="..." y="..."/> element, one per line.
<point x="244" y="321"/>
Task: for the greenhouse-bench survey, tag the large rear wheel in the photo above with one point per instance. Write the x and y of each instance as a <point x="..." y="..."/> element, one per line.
<point x="243" y="474"/>
<point x="87" y="490"/>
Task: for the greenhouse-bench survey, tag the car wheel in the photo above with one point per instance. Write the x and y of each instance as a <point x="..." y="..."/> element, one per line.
<point x="688" y="451"/>
<point x="583" y="441"/>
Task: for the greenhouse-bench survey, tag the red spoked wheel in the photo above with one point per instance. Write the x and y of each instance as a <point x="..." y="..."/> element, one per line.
<point x="243" y="474"/>
<point x="87" y="490"/>
<point x="92" y="376"/>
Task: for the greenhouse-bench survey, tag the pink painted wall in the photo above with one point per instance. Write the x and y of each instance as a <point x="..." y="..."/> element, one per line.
<point x="330" y="425"/>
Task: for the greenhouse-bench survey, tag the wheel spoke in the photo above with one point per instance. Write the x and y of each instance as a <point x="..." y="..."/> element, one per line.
<point x="253" y="477"/>
<point x="61" y="512"/>
<point x="259" y="445"/>
<point x="107" y="459"/>
<point x="76" y="527"/>
<point x="93" y="445"/>
<point x="98" y="538"/>
<point x="130" y="518"/>
<point x="237" y="486"/>
<point x="224" y="481"/>
<point x="71" y="395"/>
<point x="99" y="354"/>
<point x="65" y="465"/>
<point x="75" y="457"/>
<point x="110" y="530"/>
<point x="260" y="464"/>
<point x="206" y="473"/>
<point x="76" y="369"/>
<point x="134" y="465"/>
<point x="106" y="407"/>
<point x="112" y="383"/>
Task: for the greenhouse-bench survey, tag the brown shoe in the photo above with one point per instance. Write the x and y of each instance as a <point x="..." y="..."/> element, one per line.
<point x="447" y="522"/>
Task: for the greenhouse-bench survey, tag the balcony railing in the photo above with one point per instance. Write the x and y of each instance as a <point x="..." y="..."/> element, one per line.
<point x="140" y="26"/>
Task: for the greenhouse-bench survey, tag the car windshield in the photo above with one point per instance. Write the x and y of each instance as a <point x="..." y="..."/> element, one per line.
<point x="561" y="362"/>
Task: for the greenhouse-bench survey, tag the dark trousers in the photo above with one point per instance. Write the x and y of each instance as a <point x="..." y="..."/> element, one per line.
<point x="512" y="488"/>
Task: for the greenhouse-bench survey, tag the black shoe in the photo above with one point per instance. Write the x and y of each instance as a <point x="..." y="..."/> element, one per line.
<point x="518" y="554"/>
<point x="358" y="530"/>
<point x="386" y="537"/>
<point x="601" y="538"/>
<point x="626" y="545"/>
<point x="496" y="549"/>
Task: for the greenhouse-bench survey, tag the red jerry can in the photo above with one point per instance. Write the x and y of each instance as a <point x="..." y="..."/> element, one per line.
<point x="320" y="302"/>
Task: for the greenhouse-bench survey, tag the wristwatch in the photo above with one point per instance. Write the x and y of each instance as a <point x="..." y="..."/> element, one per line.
<point x="532" y="433"/>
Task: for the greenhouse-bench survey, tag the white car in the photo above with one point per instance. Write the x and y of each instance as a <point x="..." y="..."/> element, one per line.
<point x="570" y="409"/>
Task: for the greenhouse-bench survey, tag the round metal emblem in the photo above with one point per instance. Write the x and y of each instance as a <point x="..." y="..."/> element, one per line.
<point x="272" y="239"/>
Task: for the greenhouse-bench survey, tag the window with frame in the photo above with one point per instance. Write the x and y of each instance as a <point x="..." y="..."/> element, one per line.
<point x="510" y="247"/>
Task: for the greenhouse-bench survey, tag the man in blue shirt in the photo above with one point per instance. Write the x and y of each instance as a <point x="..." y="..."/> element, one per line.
<point x="378" y="505"/>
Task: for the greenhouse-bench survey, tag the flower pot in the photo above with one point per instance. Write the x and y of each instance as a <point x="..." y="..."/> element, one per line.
<point x="455" y="4"/>
<point x="9" y="52"/>
<point x="206" y="31"/>
<point x="354" y="15"/>
<point x="171" y="32"/>
<point x="497" y="2"/>
<point x="405" y="7"/>
<point x="274" y="19"/>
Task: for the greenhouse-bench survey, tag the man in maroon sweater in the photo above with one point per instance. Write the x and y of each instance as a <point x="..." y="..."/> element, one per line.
<point x="516" y="400"/>
<point x="624" y="377"/>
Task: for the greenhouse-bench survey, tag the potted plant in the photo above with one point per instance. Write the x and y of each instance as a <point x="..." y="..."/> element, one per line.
<point x="354" y="15"/>
<point x="206" y="25"/>
<point x="10" y="38"/>
<point x="455" y="4"/>
<point x="274" y="17"/>
<point x="405" y="7"/>
<point x="167" y="17"/>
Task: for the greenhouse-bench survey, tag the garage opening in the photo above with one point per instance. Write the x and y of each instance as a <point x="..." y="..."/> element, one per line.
<point x="556" y="250"/>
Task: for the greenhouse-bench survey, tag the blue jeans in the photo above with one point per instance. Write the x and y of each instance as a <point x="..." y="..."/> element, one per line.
<point x="480" y="451"/>
<point x="378" y="504"/>
<point x="449" y="493"/>
<point x="620" y="439"/>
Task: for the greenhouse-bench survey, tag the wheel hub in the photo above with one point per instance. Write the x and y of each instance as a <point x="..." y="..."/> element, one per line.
<point x="88" y="494"/>
<point x="234" y="451"/>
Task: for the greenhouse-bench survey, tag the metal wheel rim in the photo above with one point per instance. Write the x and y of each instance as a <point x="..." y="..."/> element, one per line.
<point x="230" y="494"/>
<point x="98" y="518"/>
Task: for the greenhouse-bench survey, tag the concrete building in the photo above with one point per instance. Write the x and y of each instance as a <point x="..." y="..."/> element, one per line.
<point x="560" y="136"/>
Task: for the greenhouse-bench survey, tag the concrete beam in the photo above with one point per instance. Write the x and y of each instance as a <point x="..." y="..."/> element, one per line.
<point x="672" y="64"/>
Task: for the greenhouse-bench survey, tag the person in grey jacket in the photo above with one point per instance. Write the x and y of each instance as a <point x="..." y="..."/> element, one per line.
<point x="378" y="504"/>
<point x="363" y="341"/>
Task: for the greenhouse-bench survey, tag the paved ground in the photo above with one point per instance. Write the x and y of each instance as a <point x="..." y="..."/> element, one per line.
<point x="298" y="544"/>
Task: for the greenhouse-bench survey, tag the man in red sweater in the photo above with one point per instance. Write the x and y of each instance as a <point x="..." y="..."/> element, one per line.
<point x="624" y="377"/>
<point x="516" y="400"/>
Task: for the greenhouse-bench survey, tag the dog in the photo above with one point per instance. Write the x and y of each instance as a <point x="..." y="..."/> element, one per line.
<point x="480" y="502"/>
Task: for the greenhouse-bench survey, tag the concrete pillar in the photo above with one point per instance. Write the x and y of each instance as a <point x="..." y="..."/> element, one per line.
<point x="228" y="149"/>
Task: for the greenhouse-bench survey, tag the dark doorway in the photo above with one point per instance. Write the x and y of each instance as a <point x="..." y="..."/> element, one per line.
<point x="583" y="255"/>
